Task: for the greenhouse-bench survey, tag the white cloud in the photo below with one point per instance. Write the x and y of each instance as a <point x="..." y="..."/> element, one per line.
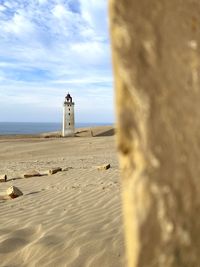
<point x="95" y="13"/>
<point x="19" y="25"/>
<point x="2" y="8"/>
<point x="49" y="47"/>
<point x="42" y="2"/>
<point x="59" y="11"/>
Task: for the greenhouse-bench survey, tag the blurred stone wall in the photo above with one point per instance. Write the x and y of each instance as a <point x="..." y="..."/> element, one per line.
<point x="155" y="47"/>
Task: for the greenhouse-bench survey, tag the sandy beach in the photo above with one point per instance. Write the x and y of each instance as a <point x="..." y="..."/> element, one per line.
<point x="71" y="218"/>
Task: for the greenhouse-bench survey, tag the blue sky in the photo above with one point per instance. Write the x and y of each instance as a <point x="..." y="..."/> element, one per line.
<point x="50" y="47"/>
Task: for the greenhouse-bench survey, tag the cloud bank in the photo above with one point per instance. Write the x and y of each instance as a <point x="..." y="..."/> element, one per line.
<point x="50" y="47"/>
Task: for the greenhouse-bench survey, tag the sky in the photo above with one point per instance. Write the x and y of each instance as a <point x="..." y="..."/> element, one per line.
<point x="49" y="48"/>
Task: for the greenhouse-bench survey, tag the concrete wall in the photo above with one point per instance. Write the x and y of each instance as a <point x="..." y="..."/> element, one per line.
<point x="155" y="46"/>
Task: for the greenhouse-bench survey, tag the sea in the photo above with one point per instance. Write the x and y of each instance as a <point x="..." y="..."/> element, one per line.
<point x="9" y="128"/>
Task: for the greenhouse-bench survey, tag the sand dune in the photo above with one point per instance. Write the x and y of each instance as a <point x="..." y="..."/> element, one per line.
<point x="72" y="218"/>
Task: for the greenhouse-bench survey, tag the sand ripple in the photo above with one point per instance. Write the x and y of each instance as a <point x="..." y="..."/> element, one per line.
<point x="69" y="219"/>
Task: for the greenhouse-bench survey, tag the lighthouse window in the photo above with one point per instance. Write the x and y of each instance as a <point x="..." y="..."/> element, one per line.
<point x="69" y="123"/>
<point x="69" y="113"/>
<point x="69" y="109"/>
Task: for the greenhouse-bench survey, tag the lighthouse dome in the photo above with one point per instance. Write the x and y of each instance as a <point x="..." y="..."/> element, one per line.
<point x="68" y="98"/>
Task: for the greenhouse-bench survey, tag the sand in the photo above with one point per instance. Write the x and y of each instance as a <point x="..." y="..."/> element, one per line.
<point x="71" y="218"/>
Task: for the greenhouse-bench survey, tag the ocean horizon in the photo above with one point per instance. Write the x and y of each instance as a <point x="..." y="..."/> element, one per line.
<point x="13" y="128"/>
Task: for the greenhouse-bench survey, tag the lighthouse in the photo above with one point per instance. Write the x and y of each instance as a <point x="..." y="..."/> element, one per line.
<point x="68" y="117"/>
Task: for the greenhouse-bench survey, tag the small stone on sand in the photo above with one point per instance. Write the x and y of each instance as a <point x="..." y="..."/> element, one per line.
<point x="103" y="167"/>
<point x="55" y="170"/>
<point x="14" y="192"/>
<point x="32" y="173"/>
<point x="3" y="178"/>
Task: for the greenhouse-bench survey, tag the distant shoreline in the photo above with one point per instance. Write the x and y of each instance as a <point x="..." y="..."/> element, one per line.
<point x="93" y="131"/>
<point x="33" y="129"/>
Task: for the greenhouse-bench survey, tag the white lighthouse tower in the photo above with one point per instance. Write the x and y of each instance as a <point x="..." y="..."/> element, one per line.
<point x="68" y="117"/>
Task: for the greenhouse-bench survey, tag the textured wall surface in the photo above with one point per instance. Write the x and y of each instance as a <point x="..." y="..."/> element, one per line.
<point x="68" y="128"/>
<point x="156" y="47"/>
